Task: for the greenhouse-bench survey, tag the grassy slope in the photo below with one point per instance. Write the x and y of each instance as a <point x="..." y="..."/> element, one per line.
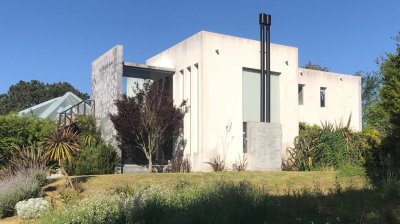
<point x="277" y="183"/>
<point x="273" y="182"/>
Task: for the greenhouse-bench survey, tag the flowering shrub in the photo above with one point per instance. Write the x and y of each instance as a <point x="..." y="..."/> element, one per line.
<point x="20" y="186"/>
<point x="100" y="209"/>
<point x="32" y="208"/>
<point x="147" y="203"/>
<point x="123" y="207"/>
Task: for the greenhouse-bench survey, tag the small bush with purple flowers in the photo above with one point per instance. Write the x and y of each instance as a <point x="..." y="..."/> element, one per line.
<point x="22" y="185"/>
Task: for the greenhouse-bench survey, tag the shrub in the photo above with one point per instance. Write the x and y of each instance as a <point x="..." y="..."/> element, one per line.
<point x="24" y="158"/>
<point x="308" y="130"/>
<point x="21" y="131"/>
<point x="148" y="205"/>
<point x="186" y="166"/>
<point x="217" y="164"/>
<point x="180" y="165"/>
<point x="241" y="164"/>
<point x="125" y="190"/>
<point x="236" y="202"/>
<point x="88" y="134"/>
<point x="327" y="147"/>
<point x="221" y="202"/>
<point x="69" y="195"/>
<point x="333" y="148"/>
<point x="32" y="208"/>
<point x="20" y="186"/>
<point x="304" y="155"/>
<point x="379" y="164"/>
<point x="102" y="209"/>
<point x="351" y="170"/>
<point x="92" y="160"/>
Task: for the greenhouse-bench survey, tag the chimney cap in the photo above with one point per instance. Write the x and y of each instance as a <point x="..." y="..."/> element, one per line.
<point x="265" y="19"/>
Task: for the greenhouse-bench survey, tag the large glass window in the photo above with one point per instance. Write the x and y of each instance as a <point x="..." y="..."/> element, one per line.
<point x="322" y="94"/>
<point x="251" y="96"/>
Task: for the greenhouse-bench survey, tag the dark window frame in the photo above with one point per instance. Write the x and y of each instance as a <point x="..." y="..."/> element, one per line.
<point x="300" y="93"/>
<point x="322" y="96"/>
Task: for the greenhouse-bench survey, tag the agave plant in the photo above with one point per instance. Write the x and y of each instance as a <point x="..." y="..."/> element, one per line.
<point x="62" y="144"/>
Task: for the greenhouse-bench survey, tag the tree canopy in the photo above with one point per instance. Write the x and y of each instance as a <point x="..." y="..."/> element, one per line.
<point x="390" y="98"/>
<point x="27" y="94"/>
<point x="374" y="116"/>
<point x="381" y="113"/>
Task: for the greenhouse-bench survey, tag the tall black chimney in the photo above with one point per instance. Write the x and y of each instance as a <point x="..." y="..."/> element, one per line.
<point x="265" y="42"/>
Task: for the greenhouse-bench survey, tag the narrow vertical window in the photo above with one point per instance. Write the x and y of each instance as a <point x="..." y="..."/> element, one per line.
<point x="322" y="94"/>
<point x="301" y="94"/>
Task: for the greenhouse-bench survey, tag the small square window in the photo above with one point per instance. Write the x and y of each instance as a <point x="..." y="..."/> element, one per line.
<point x="322" y="96"/>
<point x="301" y="94"/>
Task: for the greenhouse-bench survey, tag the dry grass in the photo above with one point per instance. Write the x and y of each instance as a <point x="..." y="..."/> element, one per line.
<point x="274" y="182"/>
<point x="10" y="220"/>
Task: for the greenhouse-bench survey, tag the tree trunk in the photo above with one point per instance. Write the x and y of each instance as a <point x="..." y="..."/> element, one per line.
<point x="66" y="175"/>
<point x="150" y="164"/>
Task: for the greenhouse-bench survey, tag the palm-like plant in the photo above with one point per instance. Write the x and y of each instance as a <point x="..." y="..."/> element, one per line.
<point x="62" y="145"/>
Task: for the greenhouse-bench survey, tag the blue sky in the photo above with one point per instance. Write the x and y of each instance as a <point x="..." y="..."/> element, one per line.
<point x="55" y="41"/>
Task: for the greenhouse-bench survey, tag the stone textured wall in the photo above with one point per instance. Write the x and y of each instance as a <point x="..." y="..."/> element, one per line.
<point x="264" y="143"/>
<point x="106" y="88"/>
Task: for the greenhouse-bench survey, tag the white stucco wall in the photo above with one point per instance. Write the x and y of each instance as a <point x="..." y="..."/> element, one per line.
<point x="186" y="58"/>
<point x="343" y="97"/>
<point x="219" y="92"/>
<point x="209" y="75"/>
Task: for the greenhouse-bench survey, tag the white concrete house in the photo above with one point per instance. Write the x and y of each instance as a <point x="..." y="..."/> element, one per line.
<point x="219" y="76"/>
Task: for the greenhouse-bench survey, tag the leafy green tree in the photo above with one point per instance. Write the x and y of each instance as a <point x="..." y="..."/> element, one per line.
<point x="27" y="94"/>
<point x="390" y="100"/>
<point x="312" y="66"/>
<point x="374" y="116"/>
